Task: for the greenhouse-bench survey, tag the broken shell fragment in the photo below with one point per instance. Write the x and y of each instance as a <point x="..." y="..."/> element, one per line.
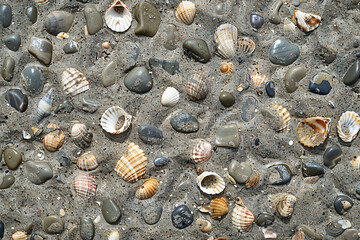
<point x="118" y="17"/>
<point x="253" y="180"/>
<point x="289" y="26"/>
<point x="74" y="82"/>
<point x="54" y="140"/>
<point x="87" y="162"/>
<point x="81" y="135"/>
<point x="202" y="151"/>
<point x="348" y="126"/>
<point x="196" y="88"/>
<point x="307" y="22"/>
<point x="258" y="79"/>
<point x="313" y="131"/>
<point x="170" y="97"/>
<point x="204" y="225"/>
<point x="246" y="45"/>
<point x="268" y="234"/>
<point x="355" y="162"/>
<point x="226" y="67"/>
<point x="284" y="204"/>
<point x="210" y="183"/>
<point x="84" y="185"/>
<point x="115" y="120"/>
<point x="114" y="235"/>
<point x="19" y="235"/>
<point x="147" y="189"/>
<point x="242" y="218"/>
<point x="300" y="235"/>
<point x="278" y="116"/>
<point x="217" y="208"/>
<point x="185" y="12"/>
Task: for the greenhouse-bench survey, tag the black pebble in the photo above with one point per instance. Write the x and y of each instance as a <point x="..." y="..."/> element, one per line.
<point x="270" y="88"/>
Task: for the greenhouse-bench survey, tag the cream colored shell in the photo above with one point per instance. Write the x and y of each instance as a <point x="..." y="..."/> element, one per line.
<point x="307" y="22"/>
<point x="258" y="79"/>
<point x="19" y="235"/>
<point x="118" y="17"/>
<point x="242" y="218"/>
<point x="202" y="151"/>
<point x="348" y="126"/>
<point x="204" y="225"/>
<point x="313" y="131"/>
<point x="210" y="183"/>
<point x="225" y="38"/>
<point x="115" y="120"/>
<point x="74" y="82"/>
<point x="185" y="12"/>
<point x="170" y="97"/>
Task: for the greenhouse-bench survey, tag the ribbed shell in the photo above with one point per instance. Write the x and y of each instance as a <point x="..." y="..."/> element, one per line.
<point x="170" y="97"/>
<point x="226" y="67"/>
<point x="81" y="135"/>
<point x="74" y="82"/>
<point x="253" y="180"/>
<point x="114" y="235"/>
<point x="258" y="79"/>
<point x="356" y="162"/>
<point x="132" y="166"/>
<point x="348" y="126"/>
<point x="84" y="185"/>
<point x="19" y="235"/>
<point x="147" y="189"/>
<point x="87" y="162"/>
<point x="202" y="151"/>
<point x="289" y="26"/>
<point x="54" y="140"/>
<point x="210" y="183"/>
<point x="299" y="235"/>
<point x="242" y="218"/>
<point x="284" y="115"/>
<point x="284" y="205"/>
<point x="313" y="131"/>
<point x="118" y="17"/>
<point x="225" y="38"/>
<point x="113" y="117"/>
<point x="247" y="45"/>
<point x="307" y="22"/>
<point x="217" y="208"/>
<point x="204" y="225"/>
<point x="196" y="88"/>
<point x="44" y="106"/>
<point x="185" y="12"/>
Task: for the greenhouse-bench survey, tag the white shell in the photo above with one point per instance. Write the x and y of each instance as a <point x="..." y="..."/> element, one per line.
<point x="225" y="37"/>
<point x="118" y="17"/>
<point x="74" y="81"/>
<point x="307" y="22"/>
<point x="44" y="107"/>
<point x="210" y="183"/>
<point x="114" y="235"/>
<point x="111" y="117"/>
<point x="185" y="12"/>
<point x="242" y="218"/>
<point x="19" y="235"/>
<point x="348" y="126"/>
<point x="170" y="97"/>
<point x="268" y="234"/>
<point x="289" y="26"/>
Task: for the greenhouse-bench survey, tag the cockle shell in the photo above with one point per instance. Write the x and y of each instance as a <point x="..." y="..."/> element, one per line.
<point x="185" y="12"/>
<point x="84" y="185"/>
<point x="202" y="151"/>
<point x="283" y="116"/>
<point x="196" y="88"/>
<point x="19" y="235"/>
<point x="348" y="126"/>
<point x="253" y="180"/>
<point x="81" y="135"/>
<point x="258" y="79"/>
<point x="210" y="183"/>
<point x="74" y="82"/>
<point x="246" y="45"/>
<point x="114" y="235"/>
<point x="242" y="218"/>
<point x="307" y="22"/>
<point x="284" y="204"/>
<point x="217" y="208"/>
<point x="44" y="106"/>
<point x="87" y="162"/>
<point x="300" y="235"/>
<point x="115" y="120"/>
<point x="118" y="17"/>
<point x="313" y="131"/>
<point x="170" y="97"/>
<point x="204" y="225"/>
<point x="289" y="26"/>
<point x="54" y="140"/>
<point x="226" y="67"/>
<point x="225" y="38"/>
<point x="356" y="162"/>
<point x="132" y="166"/>
<point x="147" y="189"/>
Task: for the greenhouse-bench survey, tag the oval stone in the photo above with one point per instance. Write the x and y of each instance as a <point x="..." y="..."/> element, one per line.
<point x="32" y="14"/>
<point x="274" y="16"/>
<point x="5" y="15"/>
<point x="226" y="99"/>
<point x="7" y="181"/>
<point x="293" y="76"/>
<point x="108" y="74"/>
<point x="343" y="204"/>
<point x="87" y="228"/>
<point x="185" y="123"/>
<point x="197" y="49"/>
<point x="150" y="134"/>
<point x="152" y="214"/>
<point x="352" y="75"/>
<point x="111" y="212"/>
<point x="310" y="169"/>
<point x="161" y="161"/>
<point x="332" y="156"/>
<point x="270" y="89"/>
<point x="249" y="109"/>
<point x="351" y="234"/>
<point x="58" y="21"/>
<point x="7" y="70"/>
<point x="148" y="18"/>
<point x="220" y="8"/>
<point x="264" y="219"/>
<point x="53" y="224"/>
<point x="170" y="42"/>
<point x="71" y="47"/>
<point x="227" y="136"/>
<point x="321" y="83"/>
<point x="138" y="80"/>
<point x="12" y="158"/>
<point x="17" y="99"/>
<point x="182" y="217"/>
<point x="38" y="172"/>
<point x="41" y="48"/>
<point x="94" y="21"/>
<point x="241" y="172"/>
<point x="283" y="53"/>
<point x="33" y="81"/>
<point x="256" y="20"/>
<point x="13" y="41"/>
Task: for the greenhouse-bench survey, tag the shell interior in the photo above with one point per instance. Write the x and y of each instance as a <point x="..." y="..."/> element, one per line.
<point x="348" y="126"/>
<point x="313" y="131"/>
<point x="118" y="17"/>
<point x="210" y="183"/>
<point x="115" y="120"/>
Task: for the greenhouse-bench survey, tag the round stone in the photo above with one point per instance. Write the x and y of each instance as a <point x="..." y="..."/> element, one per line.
<point x="284" y="53"/>
<point x="356" y="43"/>
<point x="197" y="49"/>
<point x="12" y="158"/>
<point x="351" y="234"/>
<point x="182" y="217"/>
<point x="226" y="99"/>
<point x="13" y="41"/>
<point x="70" y="47"/>
<point x="332" y="156"/>
<point x="150" y="134"/>
<point x="111" y="212"/>
<point x="32" y="14"/>
<point x="53" y="225"/>
<point x="170" y="42"/>
<point x="94" y="21"/>
<point x="58" y="21"/>
<point x="148" y="18"/>
<point x="41" y="48"/>
<point x="321" y="83"/>
<point x="108" y="74"/>
<point x="264" y="219"/>
<point x="17" y="99"/>
<point x="227" y="136"/>
<point x="310" y="169"/>
<point x="87" y="228"/>
<point x="293" y="76"/>
<point x="33" y="81"/>
<point x="7" y="181"/>
<point x="185" y="123"/>
<point x="5" y="15"/>
<point x="353" y="74"/>
<point x="241" y="172"/>
<point x="343" y="204"/>
<point x="138" y="80"/>
<point x="152" y="214"/>
<point x="270" y="89"/>
<point x="249" y="109"/>
<point x="161" y="161"/>
<point x="256" y="20"/>
<point x="38" y="172"/>
<point x="7" y="70"/>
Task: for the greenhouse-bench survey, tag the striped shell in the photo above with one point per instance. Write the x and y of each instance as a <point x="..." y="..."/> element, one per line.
<point x="118" y="17"/>
<point x="307" y="22"/>
<point x="289" y="26"/>
<point x="284" y="117"/>
<point x="115" y="120"/>
<point x="217" y="208"/>
<point x="170" y="97"/>
<point x="202" y="151"/>
<point x="226" y="67"/>
<point x="81" y="135"/>
<point x="258" y="79"/>
<point x="19" y="235"/>
<point x="44" y="106"/>
<point x="246" y="45"/>
<point x="114" y="235"/>
<point x="204" y="225"/>
<point x="196" y="88"/>
<point x="355" y="162"/>
<point x="132" y="166"/>
<point x="74" y="82"/>
<point x="84" y="185"/>
<point x="87" y="162"/>
<point x="348" y="126"/>
<point x="185" y="12"/>
<point x="284" y="204"/>
<point x="300" y="235"/>
<point x="242" y="218"/>
<point x="225" y="38"/>
<point x="313" y="131"/>
<point x="54" y="140"/>
<point x="210" y="183"/>
<point x="147" y="189"/>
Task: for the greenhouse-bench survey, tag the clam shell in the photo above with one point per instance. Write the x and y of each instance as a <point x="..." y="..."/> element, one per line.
<point x="217" y="208"/>
<point x="118" y="17"/>
<point x="196" y="88"/>
<point x="307" y="22"/>
<point x="284" y="204"/>
<point x="170" y="97"/>
<point x="132" y="166"/>
<point x="81" y="135"/>
<point x="185" y="12"/>
<point x="204" y="225"/>
<point x="210" y="183"/>
<point x="348" y="126"/>
<point x="225" y="38"/>
<point x="313" y="131"/>
<point x="242" y="218"/>
<point x="115" y="120"/>
<point x="19" y="235"/>
<point x="226" y="67"/>
<point x="114" y="235"/>
<point x="54" y="140"/>
<point x="202" y="151"/>
<point x="300" y="235"/>
<point x="87" y="162"/>
<point x="74" y="82"/>
<point x="356" y="162"/>
<point x="289" y="26"/>
<point x="284" y="117"/>
<point x="147" y="189"/>
<point x="258" y="79"/>
<point x="84" y="185"/>
<point x="44" y="106"/>
<point x="246" y="45"/>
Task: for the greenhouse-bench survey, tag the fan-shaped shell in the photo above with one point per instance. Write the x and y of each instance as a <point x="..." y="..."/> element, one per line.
<point x="226" y="67"/>
<point x="196" y="88"/>
<point x="84" y="185"/>
<point x="300" y="235"/>
<point x="204" y="225"/>
<point x="114" y="235"/>
<point x="202" y="151"/>
<point x="185" y="12"/>
<point x="247" y="45"/>
<point x="147" y="189"/>
<point x="307" y="22"/>
<point x="289" y="26"/>
<point x="115" y="120"/>
<point x="284" y="204"/>
<point x="242" y="218"/>
<point x="313" y="131"/>
<point x="87" y="162"/>
<point x="217" y="208"/>
<point x="81" y="135"/>
<point x="19" y="235"/>
<point x="54" y="140"/>
<point x="210" y="183"/>
<point x="225" y="38"/>
<point x="170" y="97"/>
<point x="44" y="106"/>
<point x="258" y="79"/>
<point x="132" y="166"/>
<point x="74" y="82"/>
<point x="118" y="17"/>
<point x="226" y="49"/>
<point x="348" y="126"/>
<point x="356" y="162"/>
<point x="284" y="117"/>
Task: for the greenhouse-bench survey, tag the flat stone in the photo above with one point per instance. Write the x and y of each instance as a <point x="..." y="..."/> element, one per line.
<point x="129" y="52"/>
<point x="111" y="212"/>
<point x="32" y="14"/>
<point x="12" y="158"/>
<point x="150" y="134"/>
<point x="41" y="48"/>
<point x="227" y="136"/>
<point x="89" y="105"/>
<point x="7" y="70"/>
<point x="310" y="169"/>
<point x="13" y="41"/>
<point x="53" y="225"/>
<point x="138" y="80"/>
<point x="32" y="80"/>
<point x="71" y="47"/>
<point x="332" y="156"/>
<point x="108" y="74"/>
<point x="351" y="234"/>
<point x="17" y="99"/>
<point x="352" y="75"/>
<point x="170" y="41"/>
<point x="148" y="18"/>
<point x="161" y="161"/>
<point x="94" y="21"/>
<point x="182" y="217"/>
<point x="241" y="172"/>
<point x="5" y="15"/>
<point x="270" y="89"/>
<point x="249" y="109"/>
<point x="284" y="53"/>
<point x="58" y="21"/>
<point x="38" y="172"/>
<point x="321" y="83"/>
<point x="170" y="66"/>
<point x="226" y="99"/>
<point x="325" y="54"/>
<point x="343" y="204"/>
<point x="152" y="214"/>
<point x="293" y="77"/>
<point x="87" y="228"/>
<point x="185" y="123"/>
<point x="256" y="20"/>
<point x="197" y="49"/>
<point x="7" y="181"/>
<point x="265" y="219"/>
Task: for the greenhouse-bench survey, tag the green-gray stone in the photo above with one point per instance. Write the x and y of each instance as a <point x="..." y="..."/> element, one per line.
<point x="227" y="136"/>
<point x="94" y="21"/>
<point x="108" y="74"/>
<point x="70" y="47"/>
<point x="138" y="80"/>
<point x="241" y="172"/>
<point x="197" y="49"/>
<point x="53" y="224"/>
<point x="310" y="169"/>
<point x="87" y="228"/>
<point x="351" y="234"/>
<point x="7" y="70"/>
<point x="265" y="219"/>
<point x="7" y="181"/>
<point x="170" y="42"/>
<point x="32" y="80"/>
<point x="148" y="18"/>
<point x="41" y="48"/>
<point x="38" y="172"/>
<point x="283" y="53"/>
<point x="326" y="54"/>
<point x="32" y="14"/>
<point x="293" y="76"/>
<point x="12" y="158"/>
<point x="226" y="99"/>
<point x="274" y="16"/>
<point x="310" y="233"/>
<point x="17" y="99"/>
<point x="58" y="21"/>
<point x="111" y="212"/>
<point x="12" y="41"/>
<point x="352" y="74"/>
<point x="5" y="15"/>
<point x="170" y="66"/>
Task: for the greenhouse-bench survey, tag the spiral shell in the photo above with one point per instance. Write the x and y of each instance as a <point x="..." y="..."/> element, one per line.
<point x="170" y="97"/>
<point x="81" y="135"/>
<point x="185" y="12"/>
<point x="348" y="126"/>
<point x="74" y="82"/>
<point x="147" y="189"/>
<point x="289" y="26"/>
<point x="115" y="120"/>
<point x="225" y="38"/>
<point x="247" y="45"/>
<point x="313" y="131"/>
<point x="284" y="204"/>
<point x="87" y="162"/>
<point x="242" y="218"/>
<point x="196" y="88"/>
<point x="258" y="79"/>
<point x="300" y="235"/>
<point x="114" y="235"/>
<point x="307" y="22"/>
<point x="204" y="225"/>
<point x="217" y="208"/>
<point x="44" y="106"/>
<point x="84" y="185"/>
<point x="54" y="140"/>
<point x="210" y="183"/>
<point x="355" y="162"/>
<point x="19" y="235"/>
<point x="226" y="67"/>
<point x="202" y="151"/>
<point x="118" y="17"/>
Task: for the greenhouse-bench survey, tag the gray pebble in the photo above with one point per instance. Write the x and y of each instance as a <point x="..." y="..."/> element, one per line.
<point x="13" y="41"/>
<point x="161" y="161"/>
<point x="7" y="181"/>
<point x="7" y="70"/>
<point x="41" y="48"/>
<point x="197" y="49"/>
<point x="293" y="77"/>
<point x="152" y="214"/>
<point x="53" y="225"/>
<point x="71" y="47"/>
<point x="89" y="106"/>
<point x="64" y="107"/>
<point x="249" y="109"/>
<point x="227" y="136"/>
<point x="32" y="80"/>
<point x="63" y="159"/>
<point x="265" y="219"/>
<point x="32" y="14"/>
<point x="58" y="21"/>
<point x="326" y="54"/>
<point x="150" y="134"/>
<point x="129" y="52"/>
<point x="17" y="99"/>
<point x="182" y="217"/>
<point x="170" y="42"/>
<point x="274" y="16"/>
<point x="138" y="80"/>
<point x="12" y="158"/>
<point x="185" y="123"/>
<point x="310" y="169"/>
<point x="170" y="66"/>
<point x="270" y="89"/>
<point x="38" y="172"/>
<point x="220" y="8"/>
<point x="332" y="156"/>
<point x="111" y="212"/>
<point x="94" y="21"/>
<point x="241" y="172"/>
<point x="352" y="75"/>
<point x="108" y="74"/>
<point x="310" y="233"/>
<point x="351" y="234"/>
<point x="87" y="228"/>
<point x="5" y="15"/>
<point x="284" y="53"/>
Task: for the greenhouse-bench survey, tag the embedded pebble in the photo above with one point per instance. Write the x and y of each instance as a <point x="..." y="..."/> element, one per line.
<point x="321" y="83"/>
<point x="332" y="156"/>
<point x="326" y="54"/>
<point x="182" y="217"/>
<point x="351" y="234"/>
<point x="94" y="21"/>
<point x="58" y="21"/>
<point x="129" y="52"/>
<point x="150" y="134"/>
<point x="87" y="228"/>
<point x="170" y="42"/>
<point x="256" y="20"/>
<point x="7" y="70"/>
<point x="284" y="173"/>
<point x="226" y="99"/>
<point x="264" y="219"/>
<point x="32" y="14"/>
<point x="138" y="80"/>
<point x="41" y="48"/>
<point x="5" y="15"/>
<point x="352" y="75"/>
<point x="343" y="204"/>
<point x="170" y="66"/>
<point x="161" y="161"/>
<point x="310" y="233"/>
<point x="274" y="16"/>
<point x="13" y="41"/>
<point x="334" y="229"/>
<point x="71" y="47"/>
<point x="241" y="172"/>
<point x="310" y="169"/>
<point x="148" y="18"/>
<point x="293" y="77"/>
<point x="53" y="224"/>
<point x="12" y="158"/>
<point x="197" y="49"/>
<point x="111" y="212"/>
<point x="89" y="106"/>
<point x="17" y="99"/>
<point x="284" y="53"/>
<point x="7" y="181"/>
<point x="152" y="214"/>
<point x="33" y="80"/>
<point x="270" y="89"/>
<point x="108" y="74"/>
<point x="38" y="172"/>
<point x="249" y="109"/>
<point x="227" y="136"/>
<point x="185" y="123"/>
<point x="63" y="159"/>
<point x="2" y="229"/>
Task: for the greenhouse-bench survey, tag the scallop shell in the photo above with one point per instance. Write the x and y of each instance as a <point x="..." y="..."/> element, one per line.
<point x="284" y="117"/>
<point x="132" y="166"/>
<point x="81" y="135"/>
<point x="202" y="151"/>
<point x="284" y="204"/>
<point x="307" y="22"/>
<point x="84" y="185"/>
<point x="226" y="49"/>
<point x="289" y="26"/>
<point x="170" y="97"/>
<point x="87" y="162"/>
<point x="147" y="189"/>
<point x="19" y="235"/>
<point x="258" y="79"/>
<point x="226" y="67"/>
<point x="225" y="38"/>
<point x="54" y="140"/>
<point x="246" y="45"/>
<point x="44" y="106"/>
<point x="185" y="12"/>
<point x="300" y="235"/>
<point x="74" y="82"/>
<point x="217" y="208"/>
<point x="242" y="218"/>
<point x="118" y="17"/>
<point x="348" y="126"/>
<point x="356" y="162"/>
<point x="204" y="225"/>
<point x="115" y="120"/>
<point x="114" y="235"/>
<point x="196" y="88"/>
<point x="210" y="183"/>
<point x="313" y="131"/>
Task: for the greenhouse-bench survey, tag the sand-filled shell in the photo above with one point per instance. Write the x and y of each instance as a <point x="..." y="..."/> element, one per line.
<point x="284" y="204"/>
<point x="204" y="225"/>
<point x="81" y="135"/>
<point x="19" y="235"/>
<point x="202" y="151"/>
<point x="284" y="117"/>
<point x="132" y="166"/>
<point x="87" y="162"/>
<point x="313" y="131"/>
<point x="170" y="97"/>
<point x="225" y="38"/>
<point x="74" y="82"/>
<point x="197" y="88"/>
<point x="300" y="235"/>
<point x="185" y="12"/>
<point x="242" y="218"/>
<point x="210" y="183"/>
<point x="258" y="79"/>
<point x="54" y="140"/>
<point x="226" y="67"/>
<point x="147" y="189"/>
<point x="247" y="45"/>
<point x="289" y="26"/>
<point x="118" y="17"/>
<point x="115" y="120"/>
<point x="355" y="162"/>
<point x="44" y="106"/>
<point x="307" y="22"/>
<point x="217" y="208"/>
<point x="84" y="185"/>
<point x="114" y="235"/>
<point x="348" y="126"/>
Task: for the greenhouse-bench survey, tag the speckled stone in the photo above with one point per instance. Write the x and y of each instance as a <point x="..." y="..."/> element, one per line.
<point x="185" y="123"/>
<point x="38" y="172"/>
<point x="241" y="172"/>
<point x="227" y="136"/>
<point x="332" y="156"/>
<point x="138" y="80"/>
<point x="161" y="161"/>
<point x="352" y="75"/>
<point x="13" y="41"/>
<point x="111" y="212"/>
<point x="53" y="225"/>
<point x="41" y="48"/>
<point x="326" y="54"/>
<point x="7" y="181"/>
<point x="310" y="169"/>
<point x="264" y="219"/>
<point x="32" y="80"/>
<point x="148" y="18"/>
<point x="58" y="21"/>
<point x="94" y="21"/>
<point x="170" y="66"/>
<point x="274" y="16"/>
<point x="70" y="47"/>
<point x="343" y="204"/>
<point x="197" y="49"/>
<point x="5" y="15"/>
<point x="321" y="83"/>
<point x="150" y="134"/>
<point x="108" y="74"/>
<point x="351" y="234"/>
<point x="226" y="99"/>
<point x="270" y="89"/>
<point x="12" y="158"/>
<point x="182" y="217"/>
<point x="7" y="70"/>
<point x="17" y="99"/>
<point x="87" y="228"/>
<point x="63" y="159"/>
<point x="284" y="53"/>
<point x="256" y="20"/>
<point x="249" y="109"/>
<point x="293" y="77"/>
<point x="32" y="14"/>
<point x="152" y="214"/>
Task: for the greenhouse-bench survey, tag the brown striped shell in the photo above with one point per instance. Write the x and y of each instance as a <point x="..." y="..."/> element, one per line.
<point x="253" y="180"/>
<point x="74" y="82"/>
<point x="196" y="88"/>
<point x="19" y="235"/>
<point x="204" y="225"/>
<point x="54" y="140"/>
<point x="226" y="67"/>
<point x="355" y="162"/>
<point x="242" y="218"/>
<point x="284" y="204"/>
<point x="185" y="12"/>
<point x="147" y="189"/>
<point x="278" y="116"/>
<point x="87" y="162"/>
<point x="217" y="208"/>
<point x="313" y="131"/>
<point x="307" y="22"/>
<point x="81" y="135"/>
<point x="84" y="185"/>
<point x="202" y="151"/>
<point x="246" y="45"/>
<point x="258" y="79"/>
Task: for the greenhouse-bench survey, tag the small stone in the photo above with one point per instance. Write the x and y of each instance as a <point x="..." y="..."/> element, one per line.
<point x="129" y="52"/>
<point x="256" y="20"/>
<point x="182" y="217"/>
<point x="161" y="161"/>
<point x="32" y="14"/>
<point x="170" y="66"/>
<point x="352" y="75"/>
<point x="356" y="44"/>
<point x="94" y="21"/>
<point x="111" y="212"/>
<point x="7" y="70"/>
<point x="87" y="228"/>
<point x="310" y="169"/>
<point x="343" y="204"/>
<point x="249" y="109"/>
<point x="293" y="76"/>
<point x="13" y="41"/>
<point x="270" y="89"/>
<point x="148" y="18"/>
<point x="64" y="107"/>
<point x="264" y="219"/>
<point x="321" y="83"/>
<point x="197" y="49"/>
<point x="32" y="80"/>
<point x="274" y="16"/>
<point x="7" y="181"/>
<point x="89" y="106"/>
<point x="351" y="234"/>
<point x="226" y="99"/>
<point x="170" y="42"/>
<point x="53" y="224"/>
<point x="150" y="134"/>
<point x="71" y="47"/>
<point x="2" y="229"/>
<point x="220" y="8"/>
<point x="41" y="48"/>
<point x="152" y="214"/>
<point x="241" y="172"/>
<point x="326" y="54"/>
<point x="5" y="15"/>
<point x="17" y="99"/>
<point x="297" y="3"/>
<point x="63" y="159"/>
<point x="58" y="21"/>
<point x="138" y="80"/>
<point x="227" y="136"/>
<point x="332" y="156"/>
<point x="12" y="158"/>
<point x="108" y="74"/>
<point x="185" y="123"/>
<point x="38" y="172"/>
<point x="284" y="53"/>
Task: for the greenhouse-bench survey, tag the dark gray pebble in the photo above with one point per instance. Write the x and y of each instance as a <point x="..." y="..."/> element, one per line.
<point x="5" y="15"/>
<point x="197" y="49"/>
<point x="161" y="161"/>
<point x="150" y="134"/>
<point x="64" y="107"/>
<point x="310" y="169"/>
<point x="63" y="159"/>
<point x="41" y="48"/>
<point x="334" y="229"/>
<point x="352" y="74"/>
<point x="70" y="47"/>
<point x="111" y="211"/>
<point x="17" y="99"/>
<point x="284" y="53"/>
<point x="152" y="214"/>
<point x="226" y="99"/>
<point x="182" y="217"/>
<point x="33" y="80"/>
<point x="264" y="219"/>
<point x="2" y="229"/>
<point x="58" y="21"/>
<point x="256" y="20"/>
<point x="270" y="89"/>
<point x="32" y="14"/>
<point x="285" y="174"/>
<point x="138" y="80"/>
<point x="7" y="70"/>
<point x="87" y="228"/>
<point x="185" y="123"/>
<point x="13" y="41"/>
<point x="332" y="156"/>
<point x="170" y="66"/>
<point x="53" y="225"/>
<point x="343" y="204"/>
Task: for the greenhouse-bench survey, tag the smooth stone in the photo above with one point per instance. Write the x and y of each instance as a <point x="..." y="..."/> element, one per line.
<point x="321" y="83"/>
<point x="7" y="70"/>
<point x="357" y="191"/>
<point x="58" y="21"/>
<point x="161" y="161"/>
<point x="89" y="105"/>
<point x="227" y="136"/>
<point x="249" y="109"/>
<point x="148" y="18"/>
<point x="298" y="3"/>
<point x="38" y="172"/>
<point x="32" y="80"/>
<point x="5" y="15"/>
<point x="293" y="76"/>
<point x="352" y="75"/>
<point x="185" y="123"/>
<point x="70" y="47"/>
<point x="226" y="99"/>
<point x="13" y="41"/>
<point x="7" y="181"/>
<point x="343" y="204"/>
<point x="310" y="233"/>
<point x="108" y="74"/>
<point x="220" y="8"/>
<point x="17" y="99"/>
<point x="129" y="52"/>
<point x="32" y="14"/>
<point x="351" y="234"/>
<point x="12" y="158"/>
<point x="332" y="156"/>
<point x="53" y="224"/>
<point x="356" y="44"/>
<point x="138" y="80"/>
<point x="2" y="229"/>
<point x="274" y="16"/>
<point x="41" y="48"/>
<point x="284" y="173"/>
<point x="63" y="159"/>
<point x="264" y="219"/>
<point x="87" y="228"/>
<point x="310" y="169"/>
<point x="152" y="214"/>
<point x="170" y="66"/>
<point x="256" y="20"/>
<point x="93" y="18"/>
<point x="64" y="107"/>
<point x="283" y="53"/>
<point x="182" y="217"/>
<point x="270" y="89"/>
<point x="241" y="172"/>
<point x="150" y="134"/>
<point x="170" y="42"/>
<point x="197" y="49"/>
<point x="111" y="212"/>
<point x="334" y="229"/>
<point x="326" y="54"/>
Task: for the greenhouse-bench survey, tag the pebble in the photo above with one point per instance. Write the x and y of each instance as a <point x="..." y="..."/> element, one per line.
<point x="148" y="18"/>
<point x="2" y="229"/>
<point x="12" y="158"/>
<point x="356" y="44"/>
<point x="70" y="47"/>
<point x="351" y="234"/>
<point x="297" y="3"/>
<point x="89" y="106"/>
<point x="58" y="21"/>
<point x="284" y="53"/>
<point x="63" y="159"/>
<point x="343" y="204"/>
<point x="13" y="41"/>
<point x="310" y="169"/>
<point x="7" y="181"/>
<point x="256" y="20"/>
<point x="33" y="80"/>
<point x="170" y="42"/>
<point x="334" y="229"/>
<point x="293" y="77"/>
<point x="129" y="55"/>
<point x="87" y="228"/>
<point x="264" y="219"/>
<point x="249" y="109"/>
<point x="94" y="21"/>
<point x="32" y="14"/>
<point x="284" y="173"/>
<point x="226" y="99"/>
<point x="197" y="49"/>
<point x="185" y="123"/>
<point x="325" y="54"/>
<point x="64" y="107"/>
<point x="332" y="156"/>
<point x="161" y="161"/>
<point x="345" y="224"/>
<point x="220" y="8"/>
<point x="274" y="16"/>
<point x="227" y="136"/>
<point x="321" y="83"/>
<point x="7" y="70"/>
<point x="270" y="88"/>
<point x="138" y="80"/>
<point x="152" y="214"/>
<point x="53" y="224"/>
<point x="182" y="217"/>
<point x="170" y="66"/>
<point x="310" y="233"/>
<point x="41" y="48"/>
<point x="17" y="99"/>
<point x="108" y="74"/>
<point x="5" y="15"/>
<point x="241" y="172"/>
<point x="111" y="212"/>
<point x="352" y="74"/>
<point x="150" y="134"/>
<point x="38" y="172"/>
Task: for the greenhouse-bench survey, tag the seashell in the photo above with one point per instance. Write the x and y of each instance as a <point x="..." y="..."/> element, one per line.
<point x="54" y="140"/>
<point x="44" y="106"/>
<point x="246" y="45"/>
<point x="170" y="97"/>
<point x="132" y="166"/>
<point x="259" y="79"/>
<point x="313" y="131"/>
<point x="19" y="235"/>
<point x="348" y="126"/>
<point x="81" y="135"/>
<point x="36" y="131"/>
<point x="225" y="38"/>
<point x="62" y="35"/>
<point x="202" y="151"/>
<point x="226" y="67"/>
<point x="268" y="234"/>
<point x="118" y="17"/>
<point x="26" y="135"/>
<point x="226" y="49"/>
<point x="204" y="225"/>
<point x="74" y="81"/>
<point x="87" y="162"/>
<point x="115" y="120"/>
<point x="147" y="189"/>
<point x="196" y="88"/>
<point x="356" y="162"/>
<point x="284" y="117"/>
<point x="300" y="235"/>
<point x="210" y="183"/>
<point x="307" y="22"/>
<point x="242" y="218"/>
<point x="284" y="204"/>
<point x="253" y="180"/>
<point x="185" y="12"/>
<point x="52" y="126"/>
<point x="217" y="208"/>
<point x="84" y="185"/>
<point x="289" y="26"/>
<point x="114" y="235"/>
